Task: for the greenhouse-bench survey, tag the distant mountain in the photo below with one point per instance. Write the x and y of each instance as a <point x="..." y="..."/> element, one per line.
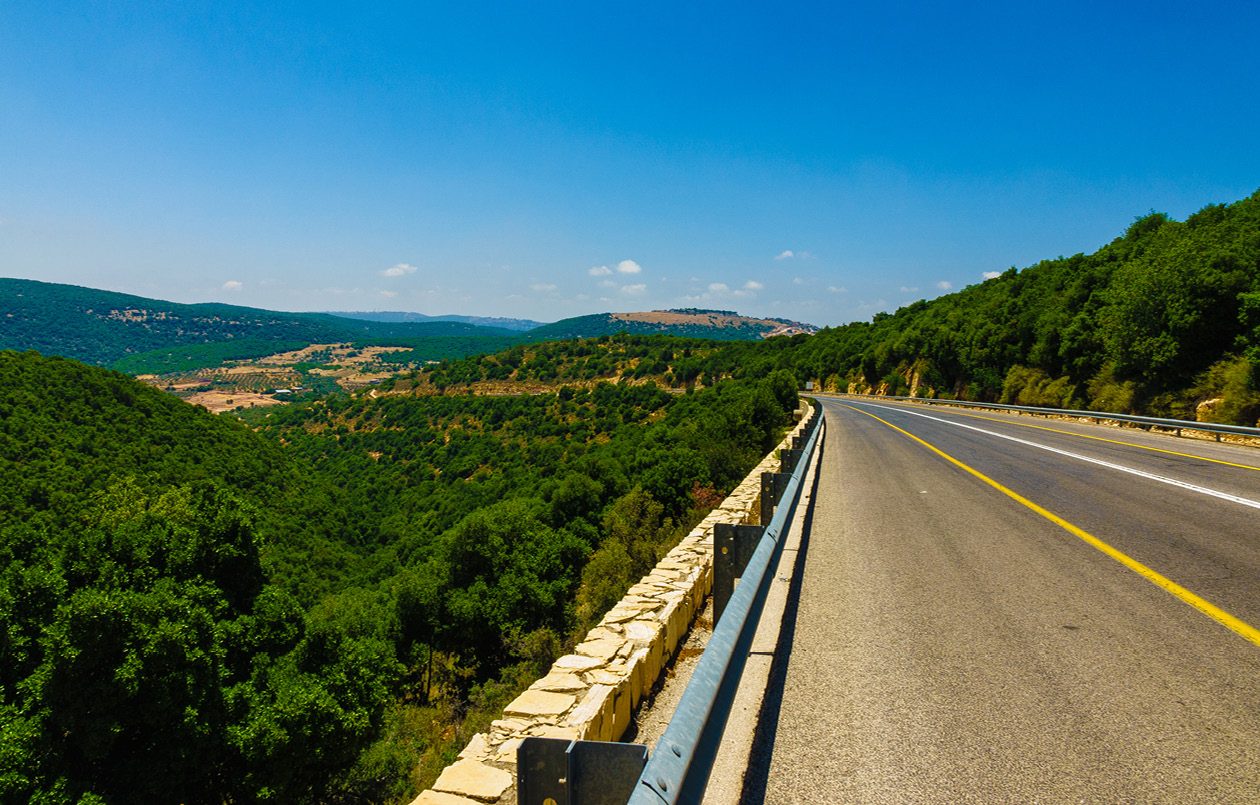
<point x="721" y="325"/>
<point x="516" y="325"/>
<point x="103" y="327"/>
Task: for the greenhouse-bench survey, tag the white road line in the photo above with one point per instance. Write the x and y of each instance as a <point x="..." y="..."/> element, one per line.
<point x="1163" y="479"/>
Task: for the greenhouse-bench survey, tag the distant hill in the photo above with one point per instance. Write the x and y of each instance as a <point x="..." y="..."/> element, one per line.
<point x="103" y="327"/>
<point x="139" y="335"/>
<point x="516" y="325"/>
<point x="721" y="325"/>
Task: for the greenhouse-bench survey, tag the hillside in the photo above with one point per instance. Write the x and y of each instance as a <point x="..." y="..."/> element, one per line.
<point x="103" y="327"/>
<point x="298" y="613"/>
<point x="579" y="363"/>
<point x="721" y="325"/>
<point x="1164" y="320"/>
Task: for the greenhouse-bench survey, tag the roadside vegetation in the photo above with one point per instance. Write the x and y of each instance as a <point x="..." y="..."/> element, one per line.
<point x="325" y="608"/>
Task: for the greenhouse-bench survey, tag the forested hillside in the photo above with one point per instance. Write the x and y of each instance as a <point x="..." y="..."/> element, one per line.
<point x="672" y="362"/>
<point x="326" y="608"/>
<point x="102" y="327"/>
<point x="1164" y="320"/>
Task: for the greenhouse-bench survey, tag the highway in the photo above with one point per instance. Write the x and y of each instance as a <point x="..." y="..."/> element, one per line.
<point x="998" y="608"/>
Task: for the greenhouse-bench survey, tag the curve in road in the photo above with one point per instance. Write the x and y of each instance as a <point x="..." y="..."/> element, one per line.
<point x="952" y="644"/>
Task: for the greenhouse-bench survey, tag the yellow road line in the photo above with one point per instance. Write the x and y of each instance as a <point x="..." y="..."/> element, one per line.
<point x="1239" y="627"/>
<point x="1109" y="441"/>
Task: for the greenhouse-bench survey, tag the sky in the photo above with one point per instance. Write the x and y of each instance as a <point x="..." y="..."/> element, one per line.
<point x="817" y="162"/>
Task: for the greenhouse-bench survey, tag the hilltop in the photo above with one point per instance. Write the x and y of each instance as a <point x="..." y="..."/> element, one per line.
<point x="719" y="325"/>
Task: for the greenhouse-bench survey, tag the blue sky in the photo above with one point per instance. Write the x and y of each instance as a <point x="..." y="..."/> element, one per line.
<point x="543" y="160"/>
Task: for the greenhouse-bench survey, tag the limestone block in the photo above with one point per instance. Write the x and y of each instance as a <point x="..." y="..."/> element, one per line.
<point x="622" y="707"/>
<point x="599" y="633"/>
<point x="468" y="778"/>
<point x="478" y="748"/>
<point x="540" y="703"/>
<point x="432" y="797"/>
<point x="677" y="621"/>
<point x="633" y="674"/>
<point x="594" y="714"/>
<point x="554" y="731"/>
<point x="649" y="664"/>
<point x="508" y="726"/>
<point x="627" y="610"/>
<point x="577" y="662"/>
<point x="559" y="682"/>
<point x="507" y="751"/>
<point x="600" y="649"/>
<point x="643" y="632"/>
<point x="604" y="676"/>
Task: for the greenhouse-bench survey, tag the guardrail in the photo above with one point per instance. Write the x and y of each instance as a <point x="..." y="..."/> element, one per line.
<point x="573" y="772"/>
<point x="678" y="770"/>
<point x="1177" y="425"/>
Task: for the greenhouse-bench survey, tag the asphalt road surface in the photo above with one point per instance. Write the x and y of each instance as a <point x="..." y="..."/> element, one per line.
<point x="1091" y="641"/>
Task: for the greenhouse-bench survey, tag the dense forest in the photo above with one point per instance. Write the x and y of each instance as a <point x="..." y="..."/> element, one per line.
<point x="324" y="606"/>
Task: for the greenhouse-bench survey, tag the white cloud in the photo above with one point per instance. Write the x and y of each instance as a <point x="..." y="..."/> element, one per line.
<point x="749" y="288"/>
<point x="991" y="275"/>
<point x="786" y="254"/>
<point x="945" y="285"/>
<point x="399" y="270"/>
<point x="389" y="294"/>
<point x="543" y="287"/>
<point x="233" y="285"/>
<point x="607" y="284"/>
<point x="634" y="290"/>
<point x="797" y="281"/>
<point x="599" y="271"/>
<point x="629" y="267"/>
<point x="837" y="289"/>
<point x="719" y="287"/>
<point x="909" y="288"/>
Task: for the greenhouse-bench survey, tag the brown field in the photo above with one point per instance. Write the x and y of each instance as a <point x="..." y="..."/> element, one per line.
<point x="338" y="354"/>
<point x="219" y="401"/>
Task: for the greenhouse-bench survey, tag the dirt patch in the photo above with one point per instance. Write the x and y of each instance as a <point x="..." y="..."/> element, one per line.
<point x="219" y="401"/>
<point x="338" y="354"/>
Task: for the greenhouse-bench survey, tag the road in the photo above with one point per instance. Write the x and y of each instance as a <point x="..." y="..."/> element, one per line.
<point x="998" y="626"/>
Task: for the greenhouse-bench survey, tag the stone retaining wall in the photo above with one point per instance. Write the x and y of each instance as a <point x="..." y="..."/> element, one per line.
<point x="591" y="694"/>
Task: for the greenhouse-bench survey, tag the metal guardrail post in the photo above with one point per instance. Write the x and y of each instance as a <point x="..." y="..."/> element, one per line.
<point x="767" y="499"/>
<point x="733" y="546"/>
<point x="557" y="771"/>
